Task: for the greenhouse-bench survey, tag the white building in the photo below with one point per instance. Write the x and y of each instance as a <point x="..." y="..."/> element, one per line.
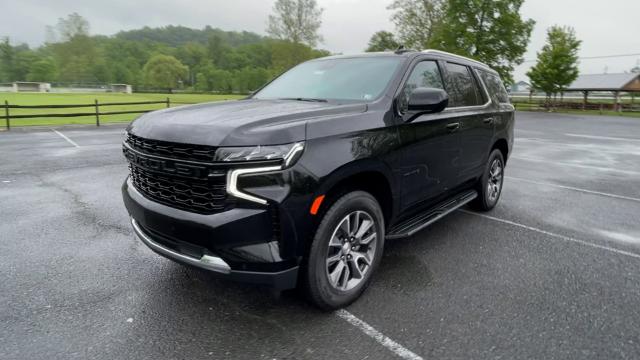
<point x="20" y="86"/>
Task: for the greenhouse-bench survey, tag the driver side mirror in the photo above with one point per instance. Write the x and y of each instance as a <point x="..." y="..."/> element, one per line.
<point x="427" y="101"/>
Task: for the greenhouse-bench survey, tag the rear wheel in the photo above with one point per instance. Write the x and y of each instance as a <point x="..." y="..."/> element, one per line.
<point x="346" y="250"/>
<point x="490" y="184"/>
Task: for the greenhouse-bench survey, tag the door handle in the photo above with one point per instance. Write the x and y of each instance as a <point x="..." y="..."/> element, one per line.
<point x="488" y="120"/>
<point x="453" y="126"/>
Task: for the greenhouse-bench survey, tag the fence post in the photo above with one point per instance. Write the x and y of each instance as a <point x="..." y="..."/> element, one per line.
<point x="6" y="114"/>
<point x="168" y="102"/>
<point x="97" y="113"/>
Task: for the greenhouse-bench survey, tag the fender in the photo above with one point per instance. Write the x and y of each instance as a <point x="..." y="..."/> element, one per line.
<point x="354" y="168"/>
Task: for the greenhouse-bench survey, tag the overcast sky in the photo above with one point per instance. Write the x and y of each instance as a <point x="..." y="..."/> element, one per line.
<point x="609" y="27"/>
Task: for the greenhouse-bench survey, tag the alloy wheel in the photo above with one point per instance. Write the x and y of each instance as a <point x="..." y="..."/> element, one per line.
<point x="351" y="250"/>
<point x="494" y="185"/>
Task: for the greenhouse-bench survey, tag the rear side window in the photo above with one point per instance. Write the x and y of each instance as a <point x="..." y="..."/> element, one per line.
<point x="426" y="74"/>
<point x="495" y="87"/>
<point x="462" y="87"/>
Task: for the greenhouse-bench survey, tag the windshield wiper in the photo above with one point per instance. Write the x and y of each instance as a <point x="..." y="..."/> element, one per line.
<point x="305" y="99"/>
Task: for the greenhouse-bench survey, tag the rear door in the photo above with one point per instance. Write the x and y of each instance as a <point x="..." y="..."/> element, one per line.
<point x="503" y="110"/>
<point x="474" y="113"/>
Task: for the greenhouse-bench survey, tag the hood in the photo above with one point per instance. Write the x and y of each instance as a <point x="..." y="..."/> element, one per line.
<point x="236" y="123"/>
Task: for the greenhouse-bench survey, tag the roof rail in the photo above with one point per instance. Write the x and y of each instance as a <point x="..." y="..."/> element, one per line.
<point x="439" y="52"/>
<point x="401" y="50"/>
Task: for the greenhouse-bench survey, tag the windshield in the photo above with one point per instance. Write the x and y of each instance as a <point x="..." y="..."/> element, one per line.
<point x="334" y="79"/>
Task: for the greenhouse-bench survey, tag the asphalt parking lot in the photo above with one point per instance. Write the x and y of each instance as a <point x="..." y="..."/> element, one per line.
<point x="552" y="272"/>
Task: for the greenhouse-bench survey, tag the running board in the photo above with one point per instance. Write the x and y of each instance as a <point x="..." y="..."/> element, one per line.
<point x="422" y="220"/>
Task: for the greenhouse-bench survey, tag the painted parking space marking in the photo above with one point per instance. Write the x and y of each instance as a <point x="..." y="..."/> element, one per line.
<point x="574" y="188"/>
<point x="582" y="166"/>
<point x="383" y="340"/>
<point x="554" y="235"/>
<point x="596" y="137"/>
<point x="66" y="138"/>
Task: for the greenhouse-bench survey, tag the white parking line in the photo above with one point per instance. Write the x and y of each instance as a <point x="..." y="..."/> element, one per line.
<point x="66" y="138"/>
<point x="557" y="236"/>
<point x="396" y="348"/>
<point x="602" y="137"/>
<point x="564" y="163"/>
<point x="574" y="188"/>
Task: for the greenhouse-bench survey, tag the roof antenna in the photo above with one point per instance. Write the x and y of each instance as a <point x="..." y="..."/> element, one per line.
<point x="401" y="49"/>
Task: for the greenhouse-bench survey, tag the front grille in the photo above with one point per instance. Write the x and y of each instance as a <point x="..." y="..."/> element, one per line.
<point x="171" y="149"/>
<point x="202" y="196"/>
<point x="199" y="188"/>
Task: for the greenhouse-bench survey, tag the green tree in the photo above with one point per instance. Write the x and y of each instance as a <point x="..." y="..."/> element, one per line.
<point x="297" y="21"/>
<point x="77" y="58"/>
<point x="416" y="21"/>
<point x="557" y="65"/>
<point x="204" y="77"/>
<point x="43" y="70"/>
<point x="123" y="74"/>
<point x="193" y="55"/>
<point x="24" y="59"/>
<point x="216" y="49"/>
<point x="79" y="55"/>
<point x="7" y="59"/>
<point x="491" y="31"/>
<point x="125" y="58"/>
<point x="257" y="55"/>
<point x="221" y="81"/>
<point x="100" y="71"/>
<point x="285" y="55"/>
<point x="233" y="60"/>
<point x="382" y="41"/>
<point x="15" y="61"/>
<point x="164" y="72"/>
<point x="71" y="26"/>
<point x="250" y="79"/>
<point x="202" y="82"/>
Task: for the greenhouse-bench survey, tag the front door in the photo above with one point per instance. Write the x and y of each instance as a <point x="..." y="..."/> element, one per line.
<point x="430" y="144"/>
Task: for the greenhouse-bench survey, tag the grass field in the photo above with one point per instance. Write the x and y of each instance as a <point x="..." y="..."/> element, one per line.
<point x="89" y="98"/>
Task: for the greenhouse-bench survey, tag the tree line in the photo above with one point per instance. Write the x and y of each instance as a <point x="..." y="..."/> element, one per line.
<point x="158" y="58"/>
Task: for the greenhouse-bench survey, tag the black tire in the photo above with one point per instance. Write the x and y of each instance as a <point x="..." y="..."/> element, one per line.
<point x="487" y="198"/>
<point x="316" y="279"/>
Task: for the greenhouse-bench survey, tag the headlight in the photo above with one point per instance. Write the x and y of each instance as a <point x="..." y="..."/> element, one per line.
<point x="289" y="153"/>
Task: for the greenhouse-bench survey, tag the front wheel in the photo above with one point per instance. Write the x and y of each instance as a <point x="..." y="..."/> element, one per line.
<point x="490" y="184"/>
<point x="346" y="250"/>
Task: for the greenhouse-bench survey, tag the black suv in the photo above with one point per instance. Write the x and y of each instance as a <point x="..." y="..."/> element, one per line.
<point x="301" y="183"/>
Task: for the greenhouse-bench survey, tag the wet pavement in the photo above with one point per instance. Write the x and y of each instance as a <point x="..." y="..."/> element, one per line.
<point x="552" y="272"/>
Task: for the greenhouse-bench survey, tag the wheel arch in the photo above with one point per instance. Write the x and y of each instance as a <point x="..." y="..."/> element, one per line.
<point x="503" y="146"/>
<point x="366" y="175"/>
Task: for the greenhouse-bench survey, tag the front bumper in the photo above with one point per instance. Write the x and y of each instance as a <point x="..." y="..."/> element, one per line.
<point x="238" y="244"/>
<point x="206" y="262"/>
<point x="285" y="279"/>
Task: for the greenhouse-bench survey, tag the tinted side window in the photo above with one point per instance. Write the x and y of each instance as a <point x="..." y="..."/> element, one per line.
<point x="495" y="87"/>
<point x="461" y="86"/>
<point x="425" y="74"/>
